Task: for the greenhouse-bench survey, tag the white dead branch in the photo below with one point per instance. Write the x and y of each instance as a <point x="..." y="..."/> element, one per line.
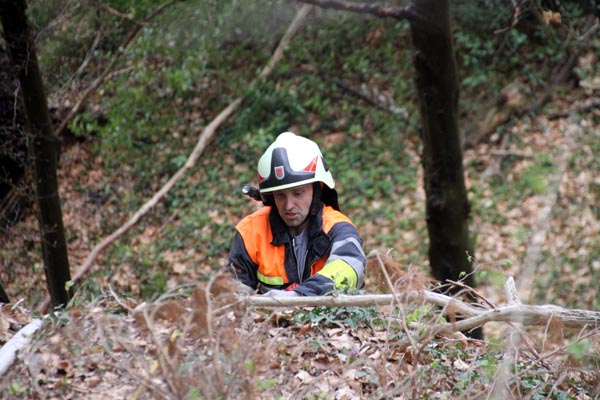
<point x="8" y="352"/>
<point x="472" y="316"/>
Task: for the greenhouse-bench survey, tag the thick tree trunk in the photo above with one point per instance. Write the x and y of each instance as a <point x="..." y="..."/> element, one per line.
<point x="43" y="148"/>
<point x="447" y="206"/>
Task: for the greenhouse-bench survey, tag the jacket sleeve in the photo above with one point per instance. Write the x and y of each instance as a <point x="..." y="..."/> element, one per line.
<point x="242" y="266"/>
<point x="345" y="266"/>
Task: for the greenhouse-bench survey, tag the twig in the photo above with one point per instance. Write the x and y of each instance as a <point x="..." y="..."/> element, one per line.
<point x="472" y="291"/>
<point x="514" y="153"/>
<point x="583" y="109"/>
<point x="370" y="100"/>
<point x="163" y="359"/>
<point x="118" y="299"/>
<point x="119" y="14"/>
<point x="392" y="288"/>
<point x="87" y="59"/>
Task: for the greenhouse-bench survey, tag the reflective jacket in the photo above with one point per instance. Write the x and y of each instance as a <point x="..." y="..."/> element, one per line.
<point x="262" y="254"/>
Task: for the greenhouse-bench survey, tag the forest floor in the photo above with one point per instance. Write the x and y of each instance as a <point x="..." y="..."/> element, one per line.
<point x="178" y="346"/>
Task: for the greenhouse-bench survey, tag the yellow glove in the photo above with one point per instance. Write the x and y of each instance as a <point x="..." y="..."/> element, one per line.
<point x="341" y="273"/>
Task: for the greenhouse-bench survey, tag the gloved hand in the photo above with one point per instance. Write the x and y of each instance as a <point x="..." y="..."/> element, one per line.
<point x="281" y="293"/>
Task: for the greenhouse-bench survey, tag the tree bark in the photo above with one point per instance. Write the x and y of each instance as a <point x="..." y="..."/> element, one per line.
<point x="43" y="148"/>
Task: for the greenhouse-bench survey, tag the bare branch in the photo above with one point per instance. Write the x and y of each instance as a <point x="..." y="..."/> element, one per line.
<point x="474" y="316"/>
<point x="119" y="14"/>
<point x="342" y="84"/>
<point x="586" y="108"/>
<point x="364" y="8"/>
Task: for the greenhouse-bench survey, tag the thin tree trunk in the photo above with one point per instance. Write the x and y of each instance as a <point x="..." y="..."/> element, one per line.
<point x="3" y="296"/>
<point x="447" y="205"/>
<point x="43" y="147"/>
<point x="435" y="74"/>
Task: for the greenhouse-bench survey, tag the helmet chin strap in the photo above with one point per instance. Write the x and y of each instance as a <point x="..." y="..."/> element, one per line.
<point x="316" y="199"/>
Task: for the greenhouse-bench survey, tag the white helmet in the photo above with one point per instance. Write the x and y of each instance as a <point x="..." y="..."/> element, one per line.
<point x="292" y="161"/>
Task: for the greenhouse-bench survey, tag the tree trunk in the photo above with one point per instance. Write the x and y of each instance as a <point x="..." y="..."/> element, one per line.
<point x="13" y="148"/>
<point x="43" y="148"/>
<point x="447" y="206"/>
<point x="3" y="296"/>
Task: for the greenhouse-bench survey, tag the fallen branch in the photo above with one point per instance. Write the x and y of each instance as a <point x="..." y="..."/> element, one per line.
<point x="207" y="135"/>
<point x="537" y="242"/>
<point x="473" y="316"/>
<point x="374" y="101"/>
<point x="363" y="8"/>
<point x="577" y="110"/>
<point x="119" y="14"/>
<point x="511" y="153"/>
<point x="8" y="352"/>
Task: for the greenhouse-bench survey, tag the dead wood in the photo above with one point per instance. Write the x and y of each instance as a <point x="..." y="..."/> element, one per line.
<point x="474" y="316"/>
<point x="586" y="108"/>
<point x="364" y="8"/>
<point x="510" y="102"/>
<point x="376" y="101"/>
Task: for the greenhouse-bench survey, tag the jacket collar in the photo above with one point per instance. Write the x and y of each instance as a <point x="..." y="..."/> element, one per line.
<point x="280" y="230"/>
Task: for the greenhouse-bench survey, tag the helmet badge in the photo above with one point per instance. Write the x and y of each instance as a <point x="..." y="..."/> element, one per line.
<point x="279" y="172"/>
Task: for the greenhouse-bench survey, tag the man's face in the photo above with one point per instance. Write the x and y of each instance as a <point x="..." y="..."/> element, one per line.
<point x="293" y="206"/>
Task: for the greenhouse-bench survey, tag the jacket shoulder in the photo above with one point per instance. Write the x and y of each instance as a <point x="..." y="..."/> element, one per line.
<point x="260" y="217"/>
<point x="332" y="217"/>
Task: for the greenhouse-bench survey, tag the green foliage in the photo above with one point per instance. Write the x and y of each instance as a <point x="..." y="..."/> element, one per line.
<point x="325" y="317"/>
<point x="17" y="388"/>
<point x="535" y="179"/>
<point x="492" y="53"/>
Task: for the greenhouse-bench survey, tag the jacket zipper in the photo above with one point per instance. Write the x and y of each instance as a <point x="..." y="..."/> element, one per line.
<point x="296" y="259"/>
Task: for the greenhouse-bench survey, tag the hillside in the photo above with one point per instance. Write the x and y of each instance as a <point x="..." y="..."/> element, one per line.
<point x="137" y="327"/>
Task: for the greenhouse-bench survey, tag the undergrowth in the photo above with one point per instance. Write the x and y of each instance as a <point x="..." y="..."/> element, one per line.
<point x="186" y="66"/>
<point x="174" y="347"/>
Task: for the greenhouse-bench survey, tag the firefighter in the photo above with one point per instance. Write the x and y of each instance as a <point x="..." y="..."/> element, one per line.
<point x="299" y="243"/>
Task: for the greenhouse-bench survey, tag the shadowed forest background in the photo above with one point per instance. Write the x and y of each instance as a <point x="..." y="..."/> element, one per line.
<point x="529" y="115"/>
